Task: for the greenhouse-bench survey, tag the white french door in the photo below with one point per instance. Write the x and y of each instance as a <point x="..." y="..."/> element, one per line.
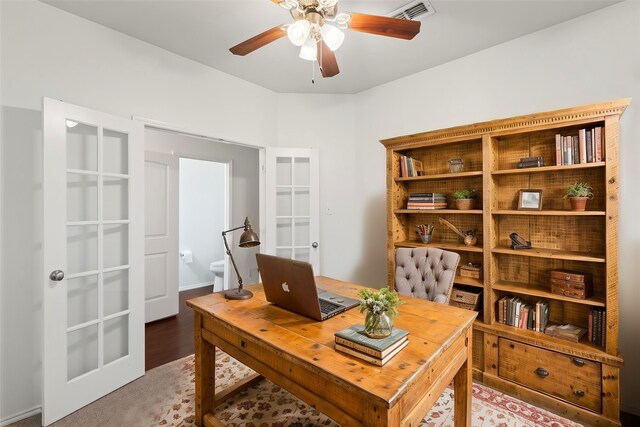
<point x="292" y="204"/>
<point x="161" y="235"/>
<point x="93" y="256"/>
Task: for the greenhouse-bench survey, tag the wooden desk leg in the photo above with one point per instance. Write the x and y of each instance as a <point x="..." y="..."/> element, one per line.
<point x="463" y="388"/>
<point x="205" y="373"/>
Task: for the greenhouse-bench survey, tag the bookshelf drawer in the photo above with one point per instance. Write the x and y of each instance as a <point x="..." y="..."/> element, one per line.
<point x="562" y="376"/>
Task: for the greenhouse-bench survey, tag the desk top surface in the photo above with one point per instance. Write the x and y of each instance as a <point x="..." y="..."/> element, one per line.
<point x="432" y="327"/>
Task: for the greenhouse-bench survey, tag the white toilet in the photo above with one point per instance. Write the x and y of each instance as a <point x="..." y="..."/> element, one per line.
<point x="217" y="268"/>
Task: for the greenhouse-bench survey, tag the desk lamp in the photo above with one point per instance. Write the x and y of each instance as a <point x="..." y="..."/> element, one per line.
<point x="248" y="239"/>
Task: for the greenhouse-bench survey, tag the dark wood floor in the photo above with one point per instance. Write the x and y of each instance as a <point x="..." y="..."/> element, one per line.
<point x="172" y="338"/>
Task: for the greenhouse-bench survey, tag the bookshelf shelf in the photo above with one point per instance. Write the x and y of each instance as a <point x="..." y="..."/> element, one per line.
<point x="543" y="292"/>
<point x="582" y="242"/>
<point x="438" y="211"/>
<point x="469" y="281"/>
<point x="442" y="245"/>
<point x="548" y="213"/>
<point x="551" y="169"/>
<point x="439" y="176"/>
<point x="550" y="253"/>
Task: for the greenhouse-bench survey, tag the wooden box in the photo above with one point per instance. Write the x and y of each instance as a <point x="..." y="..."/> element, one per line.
<point x="571" y="284"/>
<point x="467" y="299"/>
<point x="471" y="270"/>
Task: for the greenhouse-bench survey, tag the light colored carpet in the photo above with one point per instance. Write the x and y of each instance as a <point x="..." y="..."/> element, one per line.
<point x="165" y="397"/>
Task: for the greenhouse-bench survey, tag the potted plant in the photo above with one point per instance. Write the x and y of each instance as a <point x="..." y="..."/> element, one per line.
<point x="465" y="199"/>
<point x="578" y="193"/>
<point x="380" y="307"/>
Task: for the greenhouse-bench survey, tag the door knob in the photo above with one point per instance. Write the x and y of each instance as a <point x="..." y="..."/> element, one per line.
<point x="314" y="245"/>
<point x="56" y="275"/>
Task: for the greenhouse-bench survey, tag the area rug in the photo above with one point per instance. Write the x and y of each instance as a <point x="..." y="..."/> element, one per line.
<point x="267" y="405"/>
<point x="165" y="397"/>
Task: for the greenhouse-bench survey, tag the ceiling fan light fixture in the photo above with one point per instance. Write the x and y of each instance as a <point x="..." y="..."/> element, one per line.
<point x="288" y="4"/>
<point x="332" y="36"/>
<point x="342" y="20"/>
<point x="298" y="32"/>
<point x="309" y="50"/>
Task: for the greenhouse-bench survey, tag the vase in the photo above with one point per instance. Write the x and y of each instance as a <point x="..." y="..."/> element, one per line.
<point x="377" y="325"/>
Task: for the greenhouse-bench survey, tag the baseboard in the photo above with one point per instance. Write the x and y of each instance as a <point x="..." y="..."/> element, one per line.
<point x="21" y="416"/>
<point x="195" y="286"/>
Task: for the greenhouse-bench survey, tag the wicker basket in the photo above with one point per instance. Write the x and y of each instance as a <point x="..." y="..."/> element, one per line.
<point x="467" y="299"/>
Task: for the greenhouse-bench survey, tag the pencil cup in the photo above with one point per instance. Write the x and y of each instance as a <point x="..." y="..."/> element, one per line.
<point x="426" y="238"/>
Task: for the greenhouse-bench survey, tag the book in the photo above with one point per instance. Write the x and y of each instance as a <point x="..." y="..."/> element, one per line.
<point x="569" y="150"/>
<point x="566" y="332"/>
<point x="597" y="132"/>
<point x="576" y="150"/>
<point x="418" y="167"/>
<point x="589" y="145"/>
<point x="582" y="141"/>
<point x="380" y="354"/>
<point x="355" y="333"/>
<point x="368" y="358"/>
<point x="558" y="149"/>
<point x="590" y="327"/>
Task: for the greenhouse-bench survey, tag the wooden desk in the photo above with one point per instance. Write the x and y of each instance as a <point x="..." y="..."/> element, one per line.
<point x="298" y="354"/>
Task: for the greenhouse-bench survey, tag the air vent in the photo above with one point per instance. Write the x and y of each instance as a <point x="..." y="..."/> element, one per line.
<point x="416" y="10"/>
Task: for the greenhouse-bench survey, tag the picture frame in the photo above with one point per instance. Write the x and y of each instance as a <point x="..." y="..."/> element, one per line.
<point x="530" y="200"/>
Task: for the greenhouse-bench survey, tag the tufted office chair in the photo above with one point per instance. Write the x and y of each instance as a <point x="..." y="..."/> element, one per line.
<point x="426" y="273"/>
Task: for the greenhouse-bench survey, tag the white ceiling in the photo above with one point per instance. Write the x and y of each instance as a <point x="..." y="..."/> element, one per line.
<point x="204" y="30"/>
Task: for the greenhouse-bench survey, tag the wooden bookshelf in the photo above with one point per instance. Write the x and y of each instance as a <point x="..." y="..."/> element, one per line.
<point x="561" y="239"/>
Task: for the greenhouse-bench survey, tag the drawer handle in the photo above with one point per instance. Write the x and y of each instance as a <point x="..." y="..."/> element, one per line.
<point x="542" y="373"/>
<point x="579" y="393"/>
<point x="578" y="361"/>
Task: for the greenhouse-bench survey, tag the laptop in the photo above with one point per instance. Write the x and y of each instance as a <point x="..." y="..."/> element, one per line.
<point x="290" y="284"/>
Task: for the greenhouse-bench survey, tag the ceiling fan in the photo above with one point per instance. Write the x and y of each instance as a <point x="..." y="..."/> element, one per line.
<point x="316" y="30"/>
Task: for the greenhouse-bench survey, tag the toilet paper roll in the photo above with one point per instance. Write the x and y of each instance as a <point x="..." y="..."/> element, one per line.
<point x="187" y="256"/>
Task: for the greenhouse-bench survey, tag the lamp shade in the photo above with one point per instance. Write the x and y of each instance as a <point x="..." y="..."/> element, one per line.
<point x="332" y="36"/>
<point x="309" y="50"/>
<point x="248" y="239"/>
<point x="298" y="32"/>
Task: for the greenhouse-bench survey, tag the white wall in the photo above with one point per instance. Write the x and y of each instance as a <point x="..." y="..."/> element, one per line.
<point x="202" y="219"/>
<point x="48" y="52"/>
<point x="589" y="59"/>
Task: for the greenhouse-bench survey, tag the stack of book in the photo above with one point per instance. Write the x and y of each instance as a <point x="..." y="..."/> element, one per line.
<point x="410" y="167"/>
<point x="597" y="326"/>
<point x="513" y="311"/>
<point x="530" y="162"/>
<point x="427" y="201"/>
<point x="355" y="342"/>
<point x="566" y="332"/>
<point x="586" y="147"/>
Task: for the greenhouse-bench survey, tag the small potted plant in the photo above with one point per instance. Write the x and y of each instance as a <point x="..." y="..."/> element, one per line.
<point x="465" y="199"/>
<point x="380" y="307"/>
<point x="578" y="193"/>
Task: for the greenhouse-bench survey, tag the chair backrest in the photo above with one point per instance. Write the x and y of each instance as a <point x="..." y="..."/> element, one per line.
<point x="426" y="273"/>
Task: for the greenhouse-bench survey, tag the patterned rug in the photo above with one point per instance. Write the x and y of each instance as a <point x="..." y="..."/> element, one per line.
<point x="267" y="405"/>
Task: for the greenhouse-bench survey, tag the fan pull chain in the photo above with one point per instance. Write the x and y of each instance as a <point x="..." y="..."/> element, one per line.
<point x="313" y="73"/>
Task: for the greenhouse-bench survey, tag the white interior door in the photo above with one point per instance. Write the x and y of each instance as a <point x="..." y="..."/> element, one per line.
<point x="161" y="235"/>
<point x="93" y="256"/>
<point x="292" y="204"/>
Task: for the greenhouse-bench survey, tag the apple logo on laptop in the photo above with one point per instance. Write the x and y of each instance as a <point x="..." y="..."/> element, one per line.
<point x="285" y="287"/>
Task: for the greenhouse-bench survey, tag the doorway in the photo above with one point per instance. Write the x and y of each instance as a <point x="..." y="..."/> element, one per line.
<point x="203" y="216"/>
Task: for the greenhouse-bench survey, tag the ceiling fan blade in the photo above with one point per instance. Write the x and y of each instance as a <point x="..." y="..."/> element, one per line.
<point x="384" y="26"/>
<point x="258" y="41"/>
<point x="327" y="60"/>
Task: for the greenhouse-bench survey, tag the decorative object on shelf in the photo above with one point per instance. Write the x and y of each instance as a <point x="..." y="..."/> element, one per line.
<point x="518" y="242"/>
<point x="578" y="193"/>
<point x="530" y="162"/>
<point x="456" y="165"/>
<point x="420" y="201"/>
<point x="566" y="332"/>
<point x="465" y="199"/>
<point x="248" y="239"/>
<point x="530" y="200"/>
<point x="425" y="231"/>
<point x="471" y="270"/>
<point x="380" y="308"/>
<point x="468" y="237"/>
<point x="469" y="299"/>
<point x="571" y="284"/>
